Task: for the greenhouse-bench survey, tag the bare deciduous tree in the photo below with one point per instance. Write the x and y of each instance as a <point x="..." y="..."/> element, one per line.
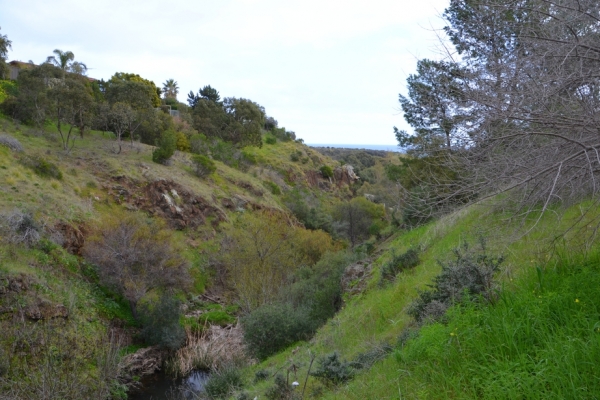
<point x="135" y="255"/>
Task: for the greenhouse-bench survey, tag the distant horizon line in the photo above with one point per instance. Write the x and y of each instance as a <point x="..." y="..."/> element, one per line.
<point x="380" y="147"/>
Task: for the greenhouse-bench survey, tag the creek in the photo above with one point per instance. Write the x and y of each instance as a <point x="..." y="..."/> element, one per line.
<point x="161" y="387"/>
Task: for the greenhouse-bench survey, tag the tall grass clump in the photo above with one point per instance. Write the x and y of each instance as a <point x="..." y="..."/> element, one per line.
<point x="223" y="382"/>
<point x="540" y="341"/>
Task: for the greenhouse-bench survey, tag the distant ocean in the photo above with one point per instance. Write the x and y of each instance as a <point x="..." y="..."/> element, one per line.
<point x="384" y="147"/>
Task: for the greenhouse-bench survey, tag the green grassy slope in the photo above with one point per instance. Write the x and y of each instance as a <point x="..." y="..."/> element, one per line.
<point x="438" y="364"/>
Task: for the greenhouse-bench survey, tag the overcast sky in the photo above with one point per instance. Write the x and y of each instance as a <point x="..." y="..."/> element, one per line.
<point x="329" y="70"/>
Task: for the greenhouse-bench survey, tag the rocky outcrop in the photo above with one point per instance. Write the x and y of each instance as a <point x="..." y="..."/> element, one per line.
<point x="345" y="175"/>
<point x="45" y="310"/>
<point x="168" y="200"/>
<point x="71" y="238"/>
<point x="355" y="278"/>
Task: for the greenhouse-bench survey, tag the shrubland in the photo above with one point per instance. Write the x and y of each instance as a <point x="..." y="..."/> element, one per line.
<point x="112" y="252"/>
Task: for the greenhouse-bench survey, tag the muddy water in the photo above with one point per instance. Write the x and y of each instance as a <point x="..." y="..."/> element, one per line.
<point x="161" y="387"/>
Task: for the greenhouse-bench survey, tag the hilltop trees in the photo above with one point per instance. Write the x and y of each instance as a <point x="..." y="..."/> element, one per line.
<point x="71" y="106"/>
<point x="234" y="120"/>
<point x="170" y="89"/>
<point x="433" y="107"/>
<point x="5" y="44"/>
<point x="65" y="60"/>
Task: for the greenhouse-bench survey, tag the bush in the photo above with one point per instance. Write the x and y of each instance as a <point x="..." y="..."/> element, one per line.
<point x="470" y="274"/>
<point x="281" y="390"/>
<point x="320" y="290"/>
<point x="225" y="152"/>
<point x="198" y="144"/>
<point x="273" y="187"/>
<point x="160" y="323"/>
<point x="332" y="370"/>
<point x="11" y="143"/>
<point x="182" y="143"/>
<point x="399" y="263"/>
<point x="19" y="228"/>
<point x="326" y="171"/>
<point x="261" y="375"/>
<point x="270" y="140"/>
<point x="203" y="165"/>
<point x="273" y="327"/>
<point x="42" y="167"/>
<point x="223" y="382"/>
<point x="295" y="156"/>
<point x="166" y="148"/>
<point x="134" y="255"/>
<point x="367" y="359"/>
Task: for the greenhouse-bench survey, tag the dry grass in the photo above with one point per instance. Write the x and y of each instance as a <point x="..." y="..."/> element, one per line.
<point x="213" y="349"/>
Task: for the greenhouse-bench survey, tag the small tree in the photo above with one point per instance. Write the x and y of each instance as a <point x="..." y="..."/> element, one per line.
<point x="166" y="148"/>
<point x="353" y="219"/>
<point x="134" y="255"/>
<point x="72" y="107"/>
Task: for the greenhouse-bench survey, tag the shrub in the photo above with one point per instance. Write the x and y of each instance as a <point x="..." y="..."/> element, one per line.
<point x="270" y="140"/>
<point x="42" y="167"/>
<point x="223" y="382"/>
<point x="261" y="375"/>
<point x="225" y="152"/>
<point x="182" y="142"/>
<point x="295" y="156"/>
<point x="160" y="323"/>
<point x="273" y="187"/>
<point x="320" y="290"/>
<point x="399" y="263"/>
<point x="332" y="370"/>
<point x="281" y="390"/>
<point x="203" y="165"/>
<point x="367" y="359"/>
<point x="166" y="148"/>
<point x="469" y="274"/>
<point x="326" y="171"/>
<point x="19" y="228"/>
<point x="10" y="142"/>
<point x="198" y="144"/>
<point x="273" y="327"/>
<point x="134" y="255"/>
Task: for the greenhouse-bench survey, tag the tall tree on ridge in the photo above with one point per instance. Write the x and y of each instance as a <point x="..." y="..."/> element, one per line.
<point x="65" y="61"/>
<point x="5" y="44"/>
<point x="170" y="89"/>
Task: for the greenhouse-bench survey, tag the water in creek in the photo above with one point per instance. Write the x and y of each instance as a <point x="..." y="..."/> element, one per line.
<point x="161" y="387"/>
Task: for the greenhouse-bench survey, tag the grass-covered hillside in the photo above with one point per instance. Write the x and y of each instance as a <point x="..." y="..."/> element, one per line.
<point x="102" y="249"/>
<point x="533" y="333"/>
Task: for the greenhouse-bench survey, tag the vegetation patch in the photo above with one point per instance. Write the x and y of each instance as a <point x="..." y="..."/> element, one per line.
<point x="42" y="167"/>
<point x="470" y="274"/>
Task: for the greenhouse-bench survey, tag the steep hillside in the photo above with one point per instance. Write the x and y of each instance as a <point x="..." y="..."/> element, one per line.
<point x="52" y="204"/>
<point x="544" y="309"/>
